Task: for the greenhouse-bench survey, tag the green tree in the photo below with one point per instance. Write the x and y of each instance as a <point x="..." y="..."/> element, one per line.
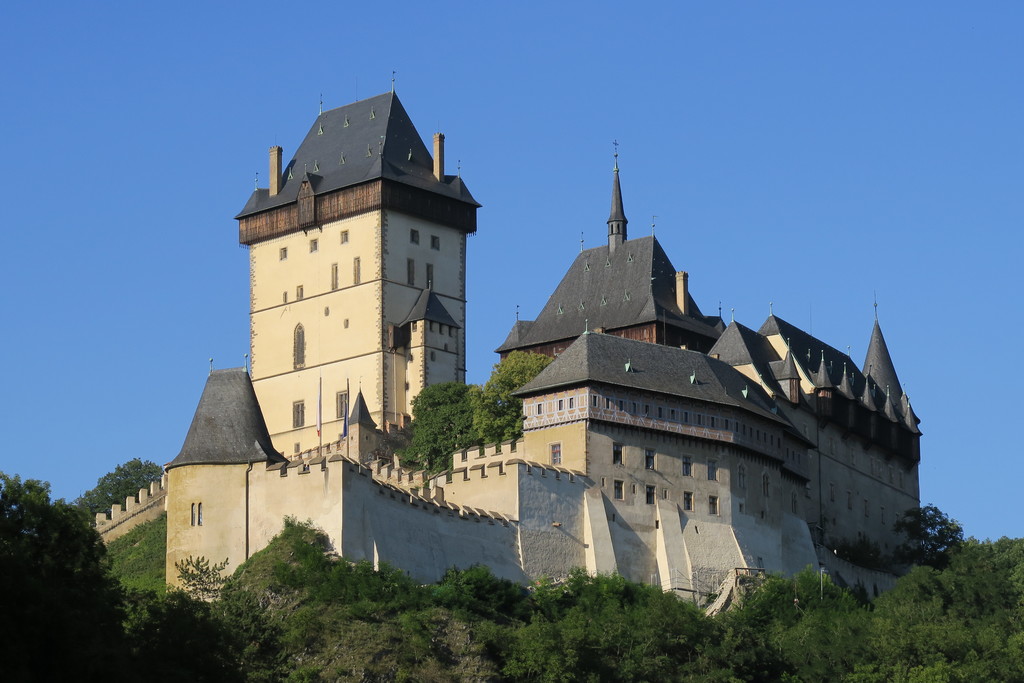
<point x="199" y="578"/>
<point x="932" y="537"/>
<point x="114" y="487"/>
<point x="442" y="424"/>
<point x="497" y="414"/>
<point x="61" y="610"/>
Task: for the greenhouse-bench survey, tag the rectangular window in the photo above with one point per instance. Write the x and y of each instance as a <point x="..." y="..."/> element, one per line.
<point x="556" y="454"/>
<point x="572" y="402"/>
<point x="621" y="403"/>
<point x="616" y="453"/>
<point x="712" y="470"/>
<point x="199" y="514"/>
<point x="282" y="254"/>
<point x="661" y="412"/>
<point x="341" y="404"/>
<point x="284" y="297"/>
<point x="334" y="276"/>
<point x="650" y="495"/>
<point x="410" y="274"/>
<point x="688" y="500"/>
<point x="648" y="458"/>
<point x="435" y="242"/>
<point x="430" y="276"/>
<point x="593" y="400"/>
<point x="832" y="492"/>
<point x="866" y="513"/>
<point x="314" y="246"/>
<point x="356" y="275"/>
<point x="712" y="505"/>
<point x="561" y="404"/>
<point x="298" y="293"/>
<point x="619" y="490"/>
<point x="540" y="408"/>
<point x="672" y="414"/>
<point x="344" y="236"/>
<point x="849" y="500"/>
<point x="687" y="466"/>
<point x="298" y="414"/>
<point x="414" y="236"/>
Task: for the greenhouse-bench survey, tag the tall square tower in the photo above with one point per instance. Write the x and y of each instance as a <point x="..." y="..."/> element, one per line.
<point x="357" y="255"/>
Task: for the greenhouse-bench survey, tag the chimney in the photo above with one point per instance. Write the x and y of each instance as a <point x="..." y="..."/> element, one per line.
<point x="439" y="156"/>
<point x="683" y="291"/>
<point x="275" y="170"/>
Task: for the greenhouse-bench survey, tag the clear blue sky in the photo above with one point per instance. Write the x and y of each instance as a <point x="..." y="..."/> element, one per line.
<point x="809" y="154"/>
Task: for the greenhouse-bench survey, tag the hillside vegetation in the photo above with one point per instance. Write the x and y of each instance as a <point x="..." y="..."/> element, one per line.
<point x="296" y="612"/>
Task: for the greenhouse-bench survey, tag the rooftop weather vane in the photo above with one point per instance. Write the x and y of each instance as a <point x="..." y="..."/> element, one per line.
<point x="653" y="221"/>
<point x="771" y="305"/>
<point x="321" y="103"/>
<point x="615" y="144"/>
<point x="393" y="72"/>
<point x="876" y="306"/>
<point x="581" y="241"/>
<point x="256" y="181"/>
<point x="517" y="312"/>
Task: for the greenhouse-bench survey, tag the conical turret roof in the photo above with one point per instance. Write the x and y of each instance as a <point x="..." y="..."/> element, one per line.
<point x="879" y="365"/>
<point x="228" y="426"/>
<point x="360" y="413"/>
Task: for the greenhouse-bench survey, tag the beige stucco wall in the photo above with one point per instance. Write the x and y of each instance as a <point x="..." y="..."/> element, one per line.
<point x="345" y="323"/>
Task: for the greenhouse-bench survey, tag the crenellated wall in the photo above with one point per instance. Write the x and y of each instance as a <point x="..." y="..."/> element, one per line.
<point x="145" y="506"/>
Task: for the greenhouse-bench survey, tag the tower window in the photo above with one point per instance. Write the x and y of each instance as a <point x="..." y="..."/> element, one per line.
<point x="766" y="486"/>
<point x="314" y="246"/>
<point x="298" y="414"/>
<point x="712" y="470"/>
<point x="299" y="347"/>
<point x="688" y="500"/>
<point x="199" y="514"/>
<point x="414" y="236"/>
<point x="299" y="293"/>
<point x="334" y="276"/>
<point x="435" y="242"/>
<point x="616" y="453"/>
<point x="341" y="404"/>
<point x="430" y="276"/>
<point x="649" y="459"/>
<point x="193" y="517"/>
<point x="618" y="490"/>
<point x="650" y="495"/>
<point x="687" y="466"/>
<point x="556" y="454"/>
<point x="712" y="505"/>
<point x="410" y="274"/>
<point x="282" y="254"/>
<point x="355" y="271"/>
<point x="344" y="236"/>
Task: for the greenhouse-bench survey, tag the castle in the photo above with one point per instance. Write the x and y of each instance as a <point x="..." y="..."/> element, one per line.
<point x="660" y="443"/>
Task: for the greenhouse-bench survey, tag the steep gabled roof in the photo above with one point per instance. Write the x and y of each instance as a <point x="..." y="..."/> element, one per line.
<point x="369" y="139"/>
<point x="652" y="367"/>
<point x="228" y="426"/>
<point x="612" y="289"/>
<point x="878" y="364"/>
<point x="429" y="307"/>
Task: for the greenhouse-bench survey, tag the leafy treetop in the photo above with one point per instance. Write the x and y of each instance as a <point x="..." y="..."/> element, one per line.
<point x="114" y="487"/>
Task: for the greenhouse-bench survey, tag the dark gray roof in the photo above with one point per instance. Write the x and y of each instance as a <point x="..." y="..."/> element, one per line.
<point x="617" y="214"/>
<point x="228" y="426"/>
<point x="878" y="364"/>
<point x="822" y="379"/>
<point x="429" y="307"/>
<point x="635" y="284"/>
<point x="516" y="335"/>
<point x="602" y="358"/>
<point x="343" y="148"/>
<point x="360" y="413"/>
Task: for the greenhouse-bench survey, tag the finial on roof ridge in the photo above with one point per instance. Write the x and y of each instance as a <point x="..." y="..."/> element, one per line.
<point x="393" y="72"/>
<point x="211" y="366"/>
<point x="615" y="144"/>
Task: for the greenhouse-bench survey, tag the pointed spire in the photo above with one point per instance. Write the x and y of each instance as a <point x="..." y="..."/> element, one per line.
<point x="868" y="396"/>
<point x="889" y="407"/>
<point x="879" y="363"/>
<point x="910" y="420"/>
<point x="845" y="387"/>
<point x="823" y="380"/>
<point x="360" y="413"/>
<point x="617" y="218"/>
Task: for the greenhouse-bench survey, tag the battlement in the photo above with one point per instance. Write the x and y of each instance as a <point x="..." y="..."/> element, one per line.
<point x="144" y="506"/>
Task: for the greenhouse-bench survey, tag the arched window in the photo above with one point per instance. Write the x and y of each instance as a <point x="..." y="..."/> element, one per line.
<point x="199" y="516"/>
<point x="193" y="514"/>
<point x="299" y="347"/>
<point x="765" y="485"/>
